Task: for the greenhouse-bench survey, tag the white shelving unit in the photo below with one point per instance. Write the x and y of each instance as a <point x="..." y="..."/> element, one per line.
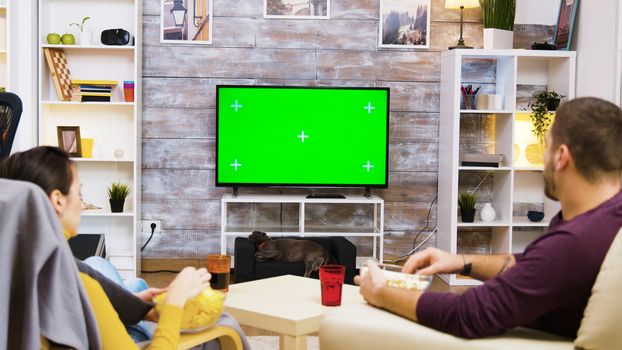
<point x="114" y="125"/>
<point x="5" y="45"/>
<point x="511" y="183"/>
<point x="376" y="231"/>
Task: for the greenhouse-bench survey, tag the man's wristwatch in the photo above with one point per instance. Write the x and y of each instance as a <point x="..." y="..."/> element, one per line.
<point x="466" y="269"/>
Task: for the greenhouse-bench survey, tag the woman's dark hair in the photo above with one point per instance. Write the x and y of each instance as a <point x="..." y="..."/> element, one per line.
<point x="46" y="166"/>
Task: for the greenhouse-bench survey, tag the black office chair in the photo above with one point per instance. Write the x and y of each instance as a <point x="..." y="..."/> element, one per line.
<point x="10" y="113"/>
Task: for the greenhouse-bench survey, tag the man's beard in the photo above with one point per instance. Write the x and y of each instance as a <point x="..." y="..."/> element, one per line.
<point x="550" y="188"/>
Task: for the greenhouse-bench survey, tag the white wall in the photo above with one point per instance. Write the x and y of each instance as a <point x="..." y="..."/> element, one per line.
<point x="597" y="41"/>
<point x="23" y="73"/>
<point x="536" y="11"/>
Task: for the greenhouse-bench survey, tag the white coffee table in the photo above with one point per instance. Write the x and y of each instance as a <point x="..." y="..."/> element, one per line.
<point x="289" y="305"/>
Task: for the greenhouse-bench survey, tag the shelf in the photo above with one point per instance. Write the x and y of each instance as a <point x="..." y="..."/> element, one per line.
<point x="101" y="160"/>
<point x="90" y="47"/>
<point x="529" y="168"/>
<point x="479" y="223"/>
<point x="524" y="222"/>
<point x="103" y="213"/>
<point x="69" y="103"/>
<point x="494" y="53"/>
<point x="484" y="168"/>
<point x="485" y="111"/>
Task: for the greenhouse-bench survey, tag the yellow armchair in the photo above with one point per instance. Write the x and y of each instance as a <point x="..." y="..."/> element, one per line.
<point x="229" y="339"/>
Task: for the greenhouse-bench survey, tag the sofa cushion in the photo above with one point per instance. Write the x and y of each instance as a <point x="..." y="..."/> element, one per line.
<point x="364" y="327"/>
<point x="600" y="327"/>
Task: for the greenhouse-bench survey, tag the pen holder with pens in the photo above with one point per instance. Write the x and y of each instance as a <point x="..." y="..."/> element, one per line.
<point x="468" y="97"/>
<point x="468" y="101"/>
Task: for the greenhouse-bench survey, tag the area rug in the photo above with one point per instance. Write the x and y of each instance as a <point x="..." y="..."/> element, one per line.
<point x="264" y="342"/>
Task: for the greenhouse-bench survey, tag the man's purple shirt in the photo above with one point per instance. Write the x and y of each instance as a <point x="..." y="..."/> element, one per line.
<point x="547" y="289"/>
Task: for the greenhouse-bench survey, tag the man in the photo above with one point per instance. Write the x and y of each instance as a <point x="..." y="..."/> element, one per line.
<point x="546" y="287"/>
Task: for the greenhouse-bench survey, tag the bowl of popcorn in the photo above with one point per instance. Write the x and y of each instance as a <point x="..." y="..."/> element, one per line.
<point x="395" y="278"/>
<point x="201" y="312"/>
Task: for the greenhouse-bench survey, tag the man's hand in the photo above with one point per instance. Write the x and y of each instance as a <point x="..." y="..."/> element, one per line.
<point x="432" y="261"/>
<point x="147" y="296"/>
<point x="371" y="284"/>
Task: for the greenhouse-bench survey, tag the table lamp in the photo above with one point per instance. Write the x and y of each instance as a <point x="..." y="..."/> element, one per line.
<point x="523" y="137"/>
<point x="461" y="4"/>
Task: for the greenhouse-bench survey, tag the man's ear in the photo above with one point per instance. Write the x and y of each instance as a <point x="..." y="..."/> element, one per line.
<point x="58" y="201"/>
<point x="563" y="158"/>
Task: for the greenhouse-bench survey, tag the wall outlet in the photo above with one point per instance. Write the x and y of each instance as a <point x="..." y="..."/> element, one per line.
<point x="147" y="226"/>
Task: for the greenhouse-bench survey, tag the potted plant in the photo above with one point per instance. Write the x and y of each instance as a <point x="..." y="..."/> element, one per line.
<point x="85" y="36"/>
<point x="117" y="192"/>
<point x="467" y="206"/>
<point x="498" y="18"/>
<point x="544" y="102"/>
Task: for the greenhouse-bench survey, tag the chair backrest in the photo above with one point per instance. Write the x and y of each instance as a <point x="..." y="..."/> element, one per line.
<point x="10" y="113"/>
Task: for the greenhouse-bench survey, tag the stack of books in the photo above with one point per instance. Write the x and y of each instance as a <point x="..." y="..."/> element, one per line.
<point x="481" y="160"/>
<point x="92" y="90"/>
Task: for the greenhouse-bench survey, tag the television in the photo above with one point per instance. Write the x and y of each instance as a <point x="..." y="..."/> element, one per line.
<point x="292" y="136"/>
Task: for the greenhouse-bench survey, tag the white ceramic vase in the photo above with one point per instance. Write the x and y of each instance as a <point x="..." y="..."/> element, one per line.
<point x="498" y="39"/>
<point x="85" y="38"/>
<point x="488" y="213"/>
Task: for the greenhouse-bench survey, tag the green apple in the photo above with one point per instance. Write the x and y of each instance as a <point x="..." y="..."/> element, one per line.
<point x="53" y="38"/>
<point x="68" y="39"/>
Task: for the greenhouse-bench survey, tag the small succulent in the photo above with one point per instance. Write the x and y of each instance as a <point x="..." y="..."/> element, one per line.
<point x="467" y="200"/>
<point x="118" y="191"/>
<point x="81" y="25"/>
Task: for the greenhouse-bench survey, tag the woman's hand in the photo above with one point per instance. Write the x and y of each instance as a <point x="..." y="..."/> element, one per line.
<point x="147" y="296"/>
<point x="432" y="261"/>
<point x="188" y="284"/>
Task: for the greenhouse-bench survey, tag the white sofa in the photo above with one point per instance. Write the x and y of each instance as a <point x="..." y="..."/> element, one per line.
<point x="361" y="326"/>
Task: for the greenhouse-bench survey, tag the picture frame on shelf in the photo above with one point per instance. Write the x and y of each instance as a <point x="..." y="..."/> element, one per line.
<point x="294" y="9"/>
<point x="186" y="21"/>
<point x="69" y="140"/>
<point x="565" y="24"/>
<point x="404" y="24"/>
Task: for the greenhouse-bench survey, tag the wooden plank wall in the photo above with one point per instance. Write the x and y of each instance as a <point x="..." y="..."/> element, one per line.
<point x="179" y="111"/>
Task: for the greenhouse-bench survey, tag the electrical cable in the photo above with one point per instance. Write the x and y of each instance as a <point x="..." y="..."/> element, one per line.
<point x="427" y="221"/>
<point x="153" y="227"/>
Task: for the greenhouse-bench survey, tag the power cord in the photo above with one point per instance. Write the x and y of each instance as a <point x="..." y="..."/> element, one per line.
<point x="153" y="227"/>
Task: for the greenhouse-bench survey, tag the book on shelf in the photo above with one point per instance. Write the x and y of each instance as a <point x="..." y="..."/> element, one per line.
<point x="481" y="159"/>
<point x="93" y="82"/>
<point x="95" y="98"/>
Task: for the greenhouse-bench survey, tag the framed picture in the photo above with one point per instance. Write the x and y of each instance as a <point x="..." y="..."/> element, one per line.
<point x="186" y="21"/>
<point x="565" y="23"/>
<point x="69" y="140"/>
<point x="296" y="9"/>
<point x="404" y="24"/>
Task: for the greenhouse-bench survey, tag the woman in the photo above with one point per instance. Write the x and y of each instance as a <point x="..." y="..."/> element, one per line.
<point x="53" y="171"/>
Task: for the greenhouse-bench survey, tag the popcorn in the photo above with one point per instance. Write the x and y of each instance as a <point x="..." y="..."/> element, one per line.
<point x="402" y="280"/>
<point x="201" y="312"/>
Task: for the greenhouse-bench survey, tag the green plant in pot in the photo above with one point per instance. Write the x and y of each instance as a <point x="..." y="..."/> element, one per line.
<point x="498" y="16"/>
<point x="543" y="103"/>
<point x="117" y="192"/>
<point x="466" y="202"/>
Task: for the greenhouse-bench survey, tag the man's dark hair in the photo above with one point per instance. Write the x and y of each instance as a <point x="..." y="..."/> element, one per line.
<point x="46" y="166"/>
<point x="592" y="130"/>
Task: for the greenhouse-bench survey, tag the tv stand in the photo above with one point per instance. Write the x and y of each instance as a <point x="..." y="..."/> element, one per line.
<point x="367" y="193"/>
<point x="373" y="230"/>
<point x="235" y="192"/>
<point x="326" y="195"/>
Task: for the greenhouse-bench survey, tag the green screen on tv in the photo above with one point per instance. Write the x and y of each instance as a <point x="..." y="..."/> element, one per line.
<point x="299" y="136"/>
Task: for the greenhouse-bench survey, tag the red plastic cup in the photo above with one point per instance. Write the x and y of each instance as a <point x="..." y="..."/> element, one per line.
<point x="331" y="280"/>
